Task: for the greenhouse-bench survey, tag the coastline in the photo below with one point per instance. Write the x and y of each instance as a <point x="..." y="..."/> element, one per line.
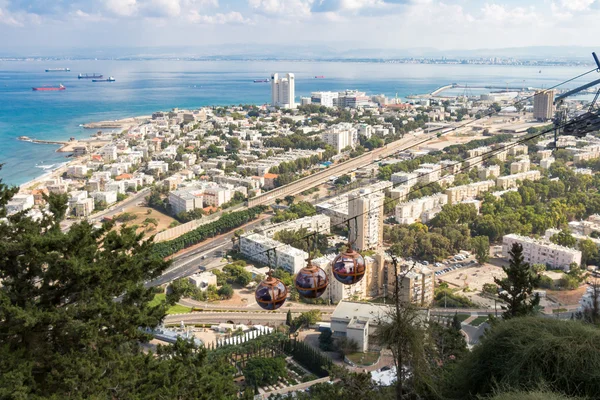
<point x="67" y="147"/>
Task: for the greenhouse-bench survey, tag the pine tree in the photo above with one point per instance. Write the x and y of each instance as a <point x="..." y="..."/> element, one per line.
<point x="456" y="325"/>
<point x="288" y="318"/>
<point x="63" y="334"/>
<point x="517" y="288"/>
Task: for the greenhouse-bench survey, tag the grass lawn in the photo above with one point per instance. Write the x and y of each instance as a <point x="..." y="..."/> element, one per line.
<point x="461" y="317"/>
<point x="176" y="309"/>
<point x="363" y="359"/>
<point x="478" y="321"/>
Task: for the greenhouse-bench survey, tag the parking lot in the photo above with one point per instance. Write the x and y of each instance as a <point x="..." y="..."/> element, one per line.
<point x="458" y="261"/>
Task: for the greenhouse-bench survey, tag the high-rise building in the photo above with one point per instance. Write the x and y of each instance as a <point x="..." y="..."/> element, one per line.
<point x="367" y="209"/>
<point x="327" y="99"/>
<point x="283" y="91"/>
<point x="543" y="105"/>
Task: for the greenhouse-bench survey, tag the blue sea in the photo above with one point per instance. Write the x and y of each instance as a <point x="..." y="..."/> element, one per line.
<point x="142" y="87"/>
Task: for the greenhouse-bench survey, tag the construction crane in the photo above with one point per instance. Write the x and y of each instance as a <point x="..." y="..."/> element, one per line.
<point x="583" y="124"/>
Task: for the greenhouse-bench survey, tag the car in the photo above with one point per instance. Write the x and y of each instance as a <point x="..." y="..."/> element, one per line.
<point x="472" y="262"/>
<point x="426" y="263"/>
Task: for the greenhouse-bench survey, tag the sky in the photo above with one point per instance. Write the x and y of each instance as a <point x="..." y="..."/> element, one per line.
<point x="337" y="24"/>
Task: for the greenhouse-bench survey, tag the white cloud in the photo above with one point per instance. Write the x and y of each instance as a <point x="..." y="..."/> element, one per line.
<point x="232" y="17"/>
<point x="577" y="5"/>
<point x="290" y="8"/>
<point x="122" y="8"/>
<point x="161" y="8"/>
<point x="83" y="16"/>
<point x="7" y="19"/>
<point x="502" y="14"/>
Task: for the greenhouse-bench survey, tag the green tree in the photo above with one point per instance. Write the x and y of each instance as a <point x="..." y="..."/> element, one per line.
<point x="481" y="248"/>
<point x="288" y="318"/>
<point x="517" y="287"/>
<point x="326" y="340"/>
<point x="225" y="291"/>
<point x="456" y="324"/>
<point x="62" y="334"/>
<point x="589" y="252"/>
<point x="564" y="238"/>
<point x="261" y="371"/>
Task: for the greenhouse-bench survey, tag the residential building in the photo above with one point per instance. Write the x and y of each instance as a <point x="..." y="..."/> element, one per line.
<point x="255" y="246"/>
<point x="352" y="99"/>
<point x="428" y="173"/>
<point x="185" y="200"/>
<point x="412" y="211"/>
<point x="542" y="252"/>
<point x="283" y="90"/>
<point x="367" y="209"/>
<point x="416" y="284"/>
<point x="365" y="130"/>
<point x="458" y="194"/>
<point x="160" y="166"/>
<point x="337" y="208"/>
<point x="316" y="223"/>
<point x="520" y="166"/>
<point x="506" y="182"/>
<point x="84" y="207"/>
<point x="203" y="280"/>
<point x="77" y="171"/>
<point x="340" y="136"/>
<point x="405" y="178"/>
<point x="493" y="171"/>
<point x="587" y="300"/>
<point x="358" y="321"/>
<point x="327" y="99"/>
<point x="543" y="105"/>
<point x="547" y="162"/>
<point x="107" y="198"/>
<point x="579" y="237"/>
<point x="109" y="153"/>
<point x="544" y="154"/>
<point x="19" y="202"/>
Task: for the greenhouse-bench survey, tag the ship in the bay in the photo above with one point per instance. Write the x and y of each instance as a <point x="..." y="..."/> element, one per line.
<point x="110" y="79"/>
<point x="90" y="76"/>
<point x="261" y="80"/>
<point x="320" y="77"/>
<point x="58" y="69"/>
<point x="48" y="88"/>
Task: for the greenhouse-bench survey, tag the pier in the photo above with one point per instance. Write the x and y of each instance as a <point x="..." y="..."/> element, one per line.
<point x="28" y="139"/>
<point x="438" y="91"/>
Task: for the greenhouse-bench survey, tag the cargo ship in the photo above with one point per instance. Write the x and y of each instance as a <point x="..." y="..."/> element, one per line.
<point x="320" y="77"/>
<point x="110" y="79"/>
<point x="48" y="88"/>
<point x="90" y="76"/>
<point x="261" y="80"/>
<point x="58" y="69"/>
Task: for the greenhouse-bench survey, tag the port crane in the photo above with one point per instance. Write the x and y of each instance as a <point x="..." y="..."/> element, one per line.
<point x="582" y="124"/>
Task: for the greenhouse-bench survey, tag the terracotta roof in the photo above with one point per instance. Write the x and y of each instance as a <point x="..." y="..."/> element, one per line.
<point x="123" y="176"/>
<point x="269" y="175"/>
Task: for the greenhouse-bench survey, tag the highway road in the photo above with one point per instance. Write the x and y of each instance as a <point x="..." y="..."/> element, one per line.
<point x="203" y="255"/>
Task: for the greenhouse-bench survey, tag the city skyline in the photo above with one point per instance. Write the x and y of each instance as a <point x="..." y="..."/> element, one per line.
<point x="347" y="24"/>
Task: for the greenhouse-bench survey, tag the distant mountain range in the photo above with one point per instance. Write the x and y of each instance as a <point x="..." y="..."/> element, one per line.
<point x="310" y="51"/>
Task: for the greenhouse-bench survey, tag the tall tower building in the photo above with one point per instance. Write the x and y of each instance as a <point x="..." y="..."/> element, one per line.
<point x="543" y="105"/>
<point x="367" y="207"/>
<point x="283" y="90"/>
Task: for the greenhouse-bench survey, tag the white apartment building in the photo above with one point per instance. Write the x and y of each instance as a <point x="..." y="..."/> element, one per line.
<point x="587" y="300"/>
<point x="352" y="99"/>
<point x="84" y="207"/>
<point x="19" y="202"/>
<point x="357" y="321"/>
<point x="416" y="286"/>
<point x="412" y="211"/>
<point x="255" y="246"/>
<point x="471" y="163"/>
<point x="506" y="182"/>
<point x="586" y="156"/>
<point x="327" y="99"/>
<point x="115" y="186"/>
<point x="517" y="167"/>
<point x="449" y="166"/>
<point x="216" y="196"/>
<point x="186" y="200"/>
<point x="428" y="173"/>
<point x="283" y="90"/>
<point x="365" y="130"/>
<point x="493" y="171"/>
<point x="408" y="179"/>
<point x="316" y="223"/>
<point x="337" y="208"/>
<point x="109" y="153"/>
<point x="77" y="171"/>
<point x="458" y="194"/>
<point x="478" y="151"/>
<point x="203" y="280"/>
<point x="106" y="197"/>
<point x="547" y="162"/>
<point x="579" y="237"/>
<point x="367" y="208"/>
<point x="160" y="166"/>
<point x="542" y="252"/>
<point x="341" y="136"/>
